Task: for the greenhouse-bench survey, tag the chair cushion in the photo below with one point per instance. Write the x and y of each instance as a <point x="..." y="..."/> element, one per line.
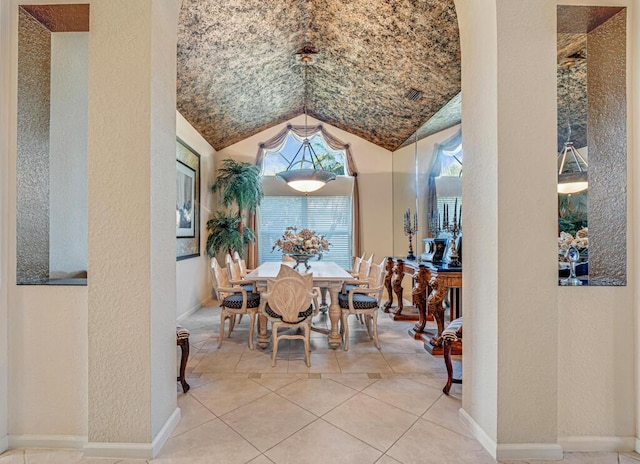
<point x="301" y="315"/>
<point x="453" y="330"/>
<point x="235" y="301"/>
<point x="181" y="333"/>
<point x="360" y="301"/>
<point x="248" y="287"/>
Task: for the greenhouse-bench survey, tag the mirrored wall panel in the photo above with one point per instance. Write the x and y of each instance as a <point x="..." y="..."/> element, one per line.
<point x="51" y="159"/>
<point x="591" y="145"/>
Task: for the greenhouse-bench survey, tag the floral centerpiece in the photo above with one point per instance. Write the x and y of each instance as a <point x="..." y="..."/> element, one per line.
<point x="301" y="245"/>
<point x="580" y="241"/>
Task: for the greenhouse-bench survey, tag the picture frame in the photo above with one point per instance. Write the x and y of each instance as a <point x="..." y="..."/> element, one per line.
<point x="187" y="201"/>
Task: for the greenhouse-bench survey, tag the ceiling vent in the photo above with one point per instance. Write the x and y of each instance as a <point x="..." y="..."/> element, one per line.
<point x="414" y="95"/>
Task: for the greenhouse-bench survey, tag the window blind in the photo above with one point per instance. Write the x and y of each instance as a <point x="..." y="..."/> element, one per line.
<point x="326" y="215"/>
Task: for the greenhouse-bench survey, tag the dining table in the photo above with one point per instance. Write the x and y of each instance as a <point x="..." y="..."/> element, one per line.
<point x="326" y="275"/>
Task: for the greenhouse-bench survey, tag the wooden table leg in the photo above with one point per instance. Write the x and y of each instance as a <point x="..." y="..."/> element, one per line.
<point x="388" y="284"/>
<point x="263" y="337"/>
<point x="397" y="286"/>
<point x="184" y="348"/>
<point x="323" y="299"/>
<point x="335" y="339"/>
<point x="420" y="300"/>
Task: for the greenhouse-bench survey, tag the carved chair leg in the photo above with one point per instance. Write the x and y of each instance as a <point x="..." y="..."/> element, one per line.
<point x="184" y="347"/>
<point x="447" y="361"/>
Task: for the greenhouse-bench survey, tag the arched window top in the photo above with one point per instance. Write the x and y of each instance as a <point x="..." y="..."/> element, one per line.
<point x="278" y="158"/>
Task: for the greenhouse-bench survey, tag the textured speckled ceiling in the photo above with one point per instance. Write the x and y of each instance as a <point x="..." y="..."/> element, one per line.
<point x="238" y="73"/>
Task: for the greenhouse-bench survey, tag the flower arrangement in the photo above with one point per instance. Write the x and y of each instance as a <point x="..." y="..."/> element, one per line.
<point x="580" y="241"/>
<point x="304" y="242"/>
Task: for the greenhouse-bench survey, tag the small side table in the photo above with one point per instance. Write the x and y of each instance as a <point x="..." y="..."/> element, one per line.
<point x="182" y="340"/>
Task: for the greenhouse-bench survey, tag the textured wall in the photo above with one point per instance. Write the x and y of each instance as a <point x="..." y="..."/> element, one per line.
<point x="34" y="63"/>
<point x="131" y="223"/>
<point x="68" y="153"/>
<point x="607" y="137"/>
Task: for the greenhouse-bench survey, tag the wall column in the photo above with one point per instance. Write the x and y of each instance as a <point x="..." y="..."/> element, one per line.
<point x="131" y="260"/>
<point x="5" y="118"/>
<point x="509" y="191"/>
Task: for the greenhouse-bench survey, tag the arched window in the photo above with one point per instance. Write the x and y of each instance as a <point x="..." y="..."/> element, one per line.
<point x="327" y="211"/>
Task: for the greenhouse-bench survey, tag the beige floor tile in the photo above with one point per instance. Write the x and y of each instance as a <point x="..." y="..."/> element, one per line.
<point x="363" y="417"/>
<point x="322" y="443"/>
<point x="320" y="363"/>
<point x="12" y="457"/>
<point x="218" y="362"/>
<point x="445" y="413"/>
<point x="193" y="414"/>
<point x="629" y="458"/>
<point x="358" y="381"/>
<point x="387" y="460"/>
<point x="317" y="395"/>
<point x="268" y="420"/>
<point x="403" y="345"/>
<point x="414" y="363"/>
<point x="63" y="457"/>
<point x="590" y="458"/>
<point x="276" y="381"/>
<point x="433" y="379"/>
<point x="210" y="443"/>
<point x="260" y="361"/>
<point x="406" y="394"/>
<point x="262" y="459"/>
<point x="222" y="396"/>
<point x="443" y="446"/>
<point x="352" y="362"/>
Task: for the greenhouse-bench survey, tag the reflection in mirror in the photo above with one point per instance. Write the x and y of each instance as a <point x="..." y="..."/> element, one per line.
<point x="51" y="164"/>
<point x="591" y="145"/>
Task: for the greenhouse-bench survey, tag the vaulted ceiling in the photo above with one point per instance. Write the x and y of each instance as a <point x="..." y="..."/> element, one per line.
<point x="238" y="72"/>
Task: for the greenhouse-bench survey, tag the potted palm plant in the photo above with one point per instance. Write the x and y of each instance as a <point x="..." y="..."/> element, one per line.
<point x="239" y="186"/>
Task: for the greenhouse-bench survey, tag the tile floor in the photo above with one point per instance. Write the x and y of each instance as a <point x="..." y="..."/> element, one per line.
<point x="361" y="406"/>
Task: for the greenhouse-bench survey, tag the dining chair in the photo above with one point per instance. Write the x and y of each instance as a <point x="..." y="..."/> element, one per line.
<point x="355" y="266"/>
<point x="290" y="302"/>
<point x="236" y="272"/>
<point x="363" y="301"/>
<point x="234" y="300"/>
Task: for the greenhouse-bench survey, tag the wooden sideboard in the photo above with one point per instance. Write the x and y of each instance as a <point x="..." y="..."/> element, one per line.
<point x="431" y="285"/>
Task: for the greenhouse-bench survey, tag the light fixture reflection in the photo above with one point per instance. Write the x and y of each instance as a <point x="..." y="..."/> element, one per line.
<point x="576" y="180"/>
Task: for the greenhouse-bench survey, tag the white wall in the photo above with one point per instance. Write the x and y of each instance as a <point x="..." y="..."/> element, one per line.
<point x="68" y="152"/>
<point x="596" y="366"/>
<point x="374" y="166"/>
<point x="46" y="331"/>
<point x="193" y="287"/>
<point x="578" y="387"/>
<point x="5" y="123"/>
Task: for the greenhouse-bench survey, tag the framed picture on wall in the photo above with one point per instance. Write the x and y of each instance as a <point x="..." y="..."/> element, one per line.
<point x="187" y="201"/>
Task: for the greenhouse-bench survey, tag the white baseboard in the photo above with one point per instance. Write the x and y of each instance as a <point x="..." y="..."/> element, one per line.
<point x="47" y="441"/>
<point x="193" y="309"/>
<point x="637" y="448"/>
<point x="597" y="443"/>
<point x="511" y="451"/>
<point x="134" y="450"/>
<point x="478" y="432"/>
<point x="4" y="444"/>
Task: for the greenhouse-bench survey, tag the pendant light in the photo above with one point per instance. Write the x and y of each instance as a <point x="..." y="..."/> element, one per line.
<point x="305" y="172"/>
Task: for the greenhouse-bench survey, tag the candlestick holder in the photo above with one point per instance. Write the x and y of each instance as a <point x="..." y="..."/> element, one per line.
<point x="410" y="231"/>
